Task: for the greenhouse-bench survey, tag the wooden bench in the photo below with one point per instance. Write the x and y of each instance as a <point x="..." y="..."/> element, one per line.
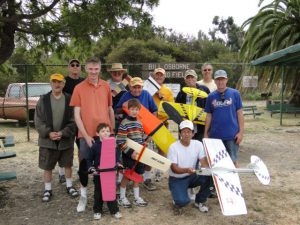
<point x="8" y="141"/>
<point x="251" y="110"/>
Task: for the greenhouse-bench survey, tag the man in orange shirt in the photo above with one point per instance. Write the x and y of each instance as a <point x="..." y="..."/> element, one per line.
<point x="92" y="103"/>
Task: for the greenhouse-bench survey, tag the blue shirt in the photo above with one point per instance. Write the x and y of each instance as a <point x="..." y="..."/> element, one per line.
<point x="145" y="99"/>
<point x="223" y="108"/>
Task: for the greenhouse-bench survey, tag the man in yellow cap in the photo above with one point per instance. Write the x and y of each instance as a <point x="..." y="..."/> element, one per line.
<point x="54" y="121"/>
<point x="136" y="91"/>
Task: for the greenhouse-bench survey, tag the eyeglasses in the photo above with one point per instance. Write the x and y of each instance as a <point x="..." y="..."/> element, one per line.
<point x="75" y="65"/>
<point x="223" y="97"/>
<point x="206" y="70"/>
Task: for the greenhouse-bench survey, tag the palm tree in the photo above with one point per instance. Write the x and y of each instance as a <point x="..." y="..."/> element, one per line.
<point x="276" y="26"/>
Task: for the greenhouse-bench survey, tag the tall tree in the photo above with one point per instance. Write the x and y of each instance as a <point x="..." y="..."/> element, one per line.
<point x="50" y="24"/>
<point x="276" y="26"/>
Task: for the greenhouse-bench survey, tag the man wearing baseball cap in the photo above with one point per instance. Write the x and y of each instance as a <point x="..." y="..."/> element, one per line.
<point x="225" y="119"/>
<point x="184" y="154"/>
<point x="136" y="91"/>
<point x="54" y="121"/>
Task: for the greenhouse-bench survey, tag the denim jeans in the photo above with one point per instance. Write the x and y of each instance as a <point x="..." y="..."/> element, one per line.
<point x="232" y="149"/>
<point x="179" y="186"/>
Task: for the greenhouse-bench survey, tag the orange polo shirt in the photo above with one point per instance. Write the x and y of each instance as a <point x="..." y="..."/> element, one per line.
<point x="94" y="102"/>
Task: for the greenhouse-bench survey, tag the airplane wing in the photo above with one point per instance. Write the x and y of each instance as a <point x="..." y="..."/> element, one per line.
<point x="150" y="157"/>
<point x="195" y="114"/>
<point x="227" y="184"/>
<point x="195" y="92"/>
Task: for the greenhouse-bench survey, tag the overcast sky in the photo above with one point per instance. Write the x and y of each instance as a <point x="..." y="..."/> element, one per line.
<point x="190" y="16"/>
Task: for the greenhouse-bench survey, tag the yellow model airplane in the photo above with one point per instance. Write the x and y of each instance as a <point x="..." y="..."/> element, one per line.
<point x="190" y="112"/>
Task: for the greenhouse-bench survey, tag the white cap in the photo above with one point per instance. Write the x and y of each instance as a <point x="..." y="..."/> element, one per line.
<point x="186" y="124"/>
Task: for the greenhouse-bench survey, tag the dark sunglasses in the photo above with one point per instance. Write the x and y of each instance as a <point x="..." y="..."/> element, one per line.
<point x="207" y="70"/>
<point x="75" y="65"/>
<point x="223" y="97"/>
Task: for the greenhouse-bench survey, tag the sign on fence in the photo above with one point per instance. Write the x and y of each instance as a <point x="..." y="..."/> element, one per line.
<point x="250" y="81"/>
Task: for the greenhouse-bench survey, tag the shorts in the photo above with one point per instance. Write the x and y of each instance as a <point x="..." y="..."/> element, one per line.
<point x="129" y="163"/>
<point x="232" y="149"/>
<point x="49" y="157"/>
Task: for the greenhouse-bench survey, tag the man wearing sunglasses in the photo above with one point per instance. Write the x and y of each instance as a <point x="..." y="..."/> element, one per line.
<point x="207" y="71"/>
<point x="70" y="82"/>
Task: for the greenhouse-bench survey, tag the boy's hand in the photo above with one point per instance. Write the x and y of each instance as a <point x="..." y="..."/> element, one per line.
<point x="120" y="166"/>
<point x="134" y="155"/>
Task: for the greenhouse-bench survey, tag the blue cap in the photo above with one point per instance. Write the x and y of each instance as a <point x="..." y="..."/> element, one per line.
<point x="220" y="73"/>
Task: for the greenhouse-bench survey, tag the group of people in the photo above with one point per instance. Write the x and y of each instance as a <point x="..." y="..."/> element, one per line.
<point x="90" y="110"/>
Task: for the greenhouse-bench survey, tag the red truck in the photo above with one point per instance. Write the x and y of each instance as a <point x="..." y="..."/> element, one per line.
<point x="13" y="105"/>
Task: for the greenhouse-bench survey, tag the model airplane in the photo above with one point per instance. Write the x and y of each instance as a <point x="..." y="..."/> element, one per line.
<point x="226" y="179"/>
<point x="189" y="111"/>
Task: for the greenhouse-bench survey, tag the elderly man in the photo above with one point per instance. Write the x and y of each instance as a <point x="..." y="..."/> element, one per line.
<point x="207" y="71"/>
<point x="185" y="154"/>
<point x="54" y="121"/>
<point x="92" y="103"/>
<point x="225" y="119"/>
<point x="136" y="91"/>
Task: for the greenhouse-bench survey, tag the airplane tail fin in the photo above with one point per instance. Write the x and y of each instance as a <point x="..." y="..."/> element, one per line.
<point x="260" y="170"/>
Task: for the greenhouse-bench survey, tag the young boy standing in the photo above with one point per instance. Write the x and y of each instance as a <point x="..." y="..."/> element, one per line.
<point x="103" y="131"/>
<point x="131" y="128"/>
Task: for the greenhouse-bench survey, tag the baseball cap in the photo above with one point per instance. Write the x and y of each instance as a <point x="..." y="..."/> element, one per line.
<point x="190" y="73"/>
<point x="186" y="124"/>
<point x="159" y="70"/>
<point x="74" y="60"/>
<point x="57" y="76"/>
<point x="136" y="81"/>
<point x="220" y="73"/>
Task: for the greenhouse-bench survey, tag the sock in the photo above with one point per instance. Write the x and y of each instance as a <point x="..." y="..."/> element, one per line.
<point x="48" y="186"/>
<point x="122" y="192"/>
<point x="61" y="171"/>
<point x="69" y="182"/>
<point x="120" y="176"/>
<point x="147" y="175"/>
<point x="136" y="192"/>
<point x="83" y="192"/>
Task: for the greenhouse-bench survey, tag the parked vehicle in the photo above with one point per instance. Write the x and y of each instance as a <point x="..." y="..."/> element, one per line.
<point x="13" y="104"/>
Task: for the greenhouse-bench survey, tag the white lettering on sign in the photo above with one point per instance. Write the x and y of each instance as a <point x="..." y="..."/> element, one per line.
<point x="169" y="66"/>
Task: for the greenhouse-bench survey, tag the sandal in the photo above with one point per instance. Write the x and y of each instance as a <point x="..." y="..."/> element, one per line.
<point x="72" y="191"/>
<point x="47" y="195"/>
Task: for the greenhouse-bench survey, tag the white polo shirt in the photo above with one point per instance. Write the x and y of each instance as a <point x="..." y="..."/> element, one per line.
<point x="185" y="157"/>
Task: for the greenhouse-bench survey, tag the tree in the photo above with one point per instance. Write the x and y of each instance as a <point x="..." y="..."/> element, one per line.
<point x="232" y="35"/>
<point x="276" y="26"/>
<point x="51" y="24"/>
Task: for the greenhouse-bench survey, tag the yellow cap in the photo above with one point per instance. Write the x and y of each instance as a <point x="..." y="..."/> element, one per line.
<point x="136" y="81"/>
<point x="57" y="76"/>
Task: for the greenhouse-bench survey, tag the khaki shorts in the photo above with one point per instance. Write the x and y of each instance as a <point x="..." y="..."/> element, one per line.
<point x="49" y="157"/>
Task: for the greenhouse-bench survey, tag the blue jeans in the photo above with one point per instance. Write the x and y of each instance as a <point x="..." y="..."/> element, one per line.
<point x="179" y="186"/>
<point x="232" y="149"/>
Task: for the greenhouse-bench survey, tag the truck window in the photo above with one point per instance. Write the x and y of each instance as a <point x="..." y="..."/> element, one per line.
<point x="14" y="92"/>
<point x="35" y="90"/>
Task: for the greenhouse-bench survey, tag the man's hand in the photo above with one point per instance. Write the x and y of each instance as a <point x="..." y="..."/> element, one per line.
<point x="89" y="140"/>
<point x="190" y="170"/>
<point x="55" y="136"/>
<point x="238" y="138"/>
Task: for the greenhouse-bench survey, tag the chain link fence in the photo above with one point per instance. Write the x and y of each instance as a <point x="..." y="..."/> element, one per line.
<point x="37" y="79"/>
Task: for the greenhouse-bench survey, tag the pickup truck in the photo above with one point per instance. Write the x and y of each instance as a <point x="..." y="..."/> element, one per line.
<point x="13" y="105"/>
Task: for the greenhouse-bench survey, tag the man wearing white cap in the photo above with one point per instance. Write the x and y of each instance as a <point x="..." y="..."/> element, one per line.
<point x="184" y="154"/>
<point x="224" y="119"/>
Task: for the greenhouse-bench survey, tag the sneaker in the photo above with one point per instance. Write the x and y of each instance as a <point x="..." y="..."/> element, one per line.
<point x="124" y="202"/>
<point x="81" y="204"/>
<point x="62" y="179"/>
<point x="149" y="185"/>
<point x="97" y="216"/>
<point x="140" y="202"/>
<point x="118" y="215"/>
<point x="157" y="176"/>
<point x="47" y="195"/>
<point x="202" y="207"/>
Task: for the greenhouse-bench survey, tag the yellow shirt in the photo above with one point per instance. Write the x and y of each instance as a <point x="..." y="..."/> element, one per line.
<point x="167" y="96"/>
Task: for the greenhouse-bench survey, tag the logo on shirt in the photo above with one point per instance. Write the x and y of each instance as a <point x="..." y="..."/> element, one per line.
<point x="221" y="103"/>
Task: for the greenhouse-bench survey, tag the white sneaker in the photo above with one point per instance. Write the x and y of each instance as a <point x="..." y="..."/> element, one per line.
<point x="97" y="216"/>
<point x="124" y="202"/>
<point x="118" y="215"/>
<point x="82" y="204"/>
<point x="202" y="207"/>
<point x="140" y="202"/>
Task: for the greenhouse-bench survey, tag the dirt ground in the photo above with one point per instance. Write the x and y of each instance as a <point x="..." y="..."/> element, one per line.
<point x="279" y="203"/>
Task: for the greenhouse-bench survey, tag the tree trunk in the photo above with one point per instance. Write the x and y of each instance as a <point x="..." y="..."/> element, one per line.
<point x="7" y="44"/>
